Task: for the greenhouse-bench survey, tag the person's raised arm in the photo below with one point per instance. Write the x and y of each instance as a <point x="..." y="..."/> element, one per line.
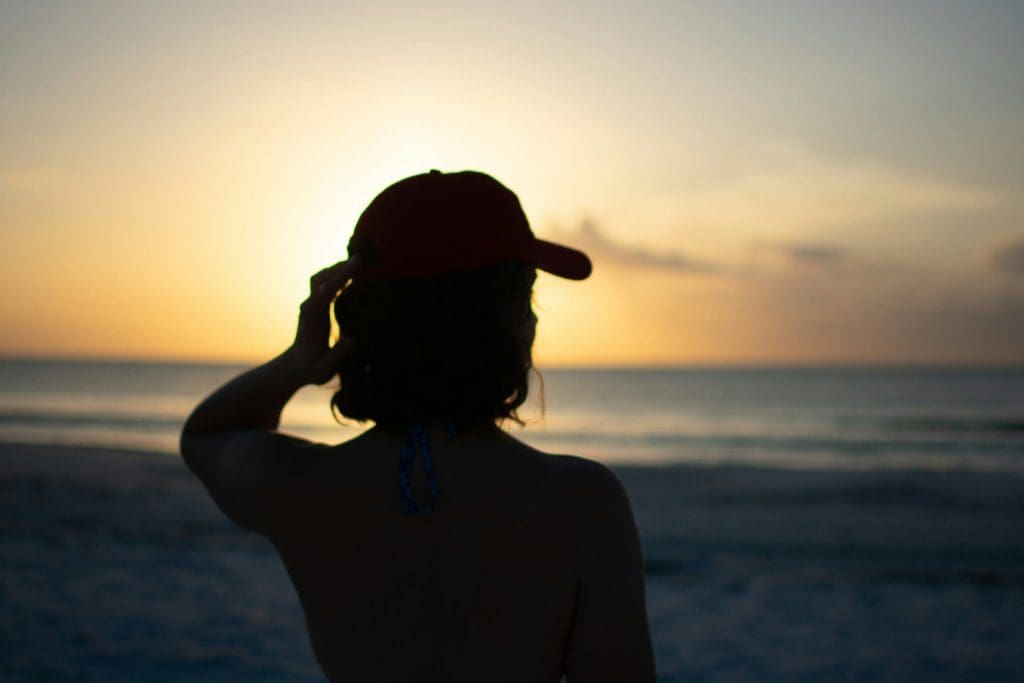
<point x="610" y="639"/>
<point x="230" y="440"/>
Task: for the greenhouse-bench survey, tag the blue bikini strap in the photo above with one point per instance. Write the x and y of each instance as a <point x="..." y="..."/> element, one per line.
<point x="416" y="440"/>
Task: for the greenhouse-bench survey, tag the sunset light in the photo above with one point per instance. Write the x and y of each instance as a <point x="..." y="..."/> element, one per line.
<point x="168" y="195"/>
<point x="758" y="417"/>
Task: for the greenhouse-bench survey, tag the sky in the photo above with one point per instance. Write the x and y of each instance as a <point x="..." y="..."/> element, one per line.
<point x="756" y="182"/>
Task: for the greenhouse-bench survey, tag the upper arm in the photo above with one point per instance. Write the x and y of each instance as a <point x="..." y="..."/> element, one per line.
<point x="241" y="469"/>
<point x="609" y="639"/>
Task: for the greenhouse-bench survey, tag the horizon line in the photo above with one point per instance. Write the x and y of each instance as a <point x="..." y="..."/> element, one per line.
<point x="748" y="364"/>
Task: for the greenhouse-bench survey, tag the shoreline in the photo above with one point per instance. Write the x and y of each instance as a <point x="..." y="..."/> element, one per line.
<point x="57" y="449"/>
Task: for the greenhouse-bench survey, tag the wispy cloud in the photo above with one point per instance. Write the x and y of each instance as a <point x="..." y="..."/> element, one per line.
<point x="596" y="241"/>
<point x="601" y="248"/>
<point x="816" y="255"/>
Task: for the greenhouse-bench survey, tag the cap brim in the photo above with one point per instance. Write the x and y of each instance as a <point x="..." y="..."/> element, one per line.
<point x="560" y="260"/>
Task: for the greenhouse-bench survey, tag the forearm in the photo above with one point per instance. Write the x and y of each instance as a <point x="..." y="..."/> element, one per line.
<point x="253" y="400"/>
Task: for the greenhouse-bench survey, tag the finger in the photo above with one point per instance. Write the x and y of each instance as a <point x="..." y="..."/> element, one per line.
<point x="319" y="277"/>
<point x="323" y="275"/>
<point x="343" y="270"/>
<point x="334" y="280"/>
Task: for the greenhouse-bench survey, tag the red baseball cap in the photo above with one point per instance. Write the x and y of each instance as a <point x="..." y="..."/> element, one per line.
<point x="443" y="222"/>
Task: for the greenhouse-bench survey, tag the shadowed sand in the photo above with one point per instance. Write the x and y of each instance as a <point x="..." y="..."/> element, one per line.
<point x="117" y="567"/>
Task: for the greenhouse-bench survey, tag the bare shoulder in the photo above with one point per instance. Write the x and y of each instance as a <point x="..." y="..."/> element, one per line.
<point x="610" y="638"/>
<point x="586" y="471"/>
<point x="244" y="470"/>
<point x="587" y="492"/>
<point x="591" y="481"/>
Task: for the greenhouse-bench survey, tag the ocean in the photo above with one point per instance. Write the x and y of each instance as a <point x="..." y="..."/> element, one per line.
<point x="798" y="524"/>
<point x="806" y="418"/>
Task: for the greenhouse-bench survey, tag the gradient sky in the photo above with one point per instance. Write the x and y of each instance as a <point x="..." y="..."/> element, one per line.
<point x="798" y="182"/>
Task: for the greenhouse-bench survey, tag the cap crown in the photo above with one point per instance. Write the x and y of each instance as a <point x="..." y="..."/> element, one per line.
<point x="440" y="222"/>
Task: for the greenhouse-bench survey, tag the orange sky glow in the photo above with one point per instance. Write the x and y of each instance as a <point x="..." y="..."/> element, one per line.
<point x="843" y="184"/>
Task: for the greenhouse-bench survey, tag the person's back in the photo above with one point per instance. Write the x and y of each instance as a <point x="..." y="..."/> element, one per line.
<point x="434" y="547"/>
<point x="485" y="588"/>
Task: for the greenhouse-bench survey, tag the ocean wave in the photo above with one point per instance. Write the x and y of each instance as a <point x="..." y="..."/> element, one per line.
<point x="77" y="419"/>
<point x="848" y="445"/>
<point x="942" y="424"/>
<point x="110" y="420"/>
<point x="831" y="572"/>
<point x="991" y="444"/>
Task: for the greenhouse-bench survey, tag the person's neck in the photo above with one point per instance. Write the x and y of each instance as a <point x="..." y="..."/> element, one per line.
<point x="440" y="430"/>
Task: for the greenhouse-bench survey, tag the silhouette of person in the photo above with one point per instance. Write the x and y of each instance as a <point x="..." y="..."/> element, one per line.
<point x="435" y="546"/>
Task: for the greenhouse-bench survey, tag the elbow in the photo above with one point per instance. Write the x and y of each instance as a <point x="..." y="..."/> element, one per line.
<point x="188" y="446"/>
<point x="195" y="426"/>
<point x="185" y="447"/>
<point x="188" y="430"/>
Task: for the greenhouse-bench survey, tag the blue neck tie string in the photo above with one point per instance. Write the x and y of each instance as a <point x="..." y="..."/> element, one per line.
<point x="416" y="441"/>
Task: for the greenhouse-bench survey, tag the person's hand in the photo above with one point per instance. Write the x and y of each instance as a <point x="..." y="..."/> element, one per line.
<point x="311" y="357"/>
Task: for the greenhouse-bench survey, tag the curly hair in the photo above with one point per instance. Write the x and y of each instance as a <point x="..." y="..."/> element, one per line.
<point x="453" y="347"/>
